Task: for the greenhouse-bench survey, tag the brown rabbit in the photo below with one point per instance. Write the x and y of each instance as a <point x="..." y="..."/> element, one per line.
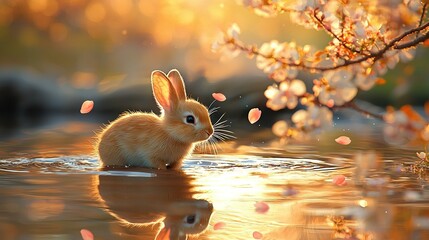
<point x="164" y="199"/>
<point x="147" y="140"/>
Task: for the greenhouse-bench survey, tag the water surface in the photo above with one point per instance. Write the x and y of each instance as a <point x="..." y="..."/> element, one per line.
<point x="51" y="188"/>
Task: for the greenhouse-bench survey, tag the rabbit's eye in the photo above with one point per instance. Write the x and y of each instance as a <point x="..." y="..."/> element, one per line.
<point x="190" y="119"/>
<point x="190" y="219"/>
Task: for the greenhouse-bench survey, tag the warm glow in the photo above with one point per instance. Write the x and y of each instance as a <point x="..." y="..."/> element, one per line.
<point x="95" y="12"/>
<point x="363" y="203"/>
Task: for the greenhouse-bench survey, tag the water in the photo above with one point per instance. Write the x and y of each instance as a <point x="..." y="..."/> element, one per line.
<point x="51" y="188"/>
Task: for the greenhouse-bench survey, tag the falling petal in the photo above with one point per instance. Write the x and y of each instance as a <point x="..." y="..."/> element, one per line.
<point x="261" y="207"/>
<point x="343" y="140"/>
<point x="254" y="115"/>
<point x="257" y="235"/>
<point x="219" y="97"/>
<point x="219" y="226"/>
<point x="86" y="234"/>
<point x="339" y="180"/>
<point x="86" y="107"/>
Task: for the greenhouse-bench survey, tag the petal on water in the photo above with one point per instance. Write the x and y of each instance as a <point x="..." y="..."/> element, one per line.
<point x="219" y="225"/>
<point x="339" y="180"/>
<point x="261" y="207"/>
<point x="257" y="235"/>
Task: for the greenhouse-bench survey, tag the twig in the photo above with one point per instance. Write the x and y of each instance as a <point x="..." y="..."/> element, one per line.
<point x="352" y="105"/>
<point x="422" y="17"/>
<point x="342" y="42"/>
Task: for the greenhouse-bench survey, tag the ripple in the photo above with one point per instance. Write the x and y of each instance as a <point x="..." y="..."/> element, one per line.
<point x="89" y="164"/>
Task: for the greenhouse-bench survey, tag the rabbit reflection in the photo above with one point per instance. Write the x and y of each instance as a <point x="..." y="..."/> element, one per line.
<point x="165" y="199"/>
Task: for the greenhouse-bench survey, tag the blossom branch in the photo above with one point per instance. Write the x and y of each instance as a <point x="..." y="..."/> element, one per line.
<point x="393" y="44"/>
<point x="327" y="29"/>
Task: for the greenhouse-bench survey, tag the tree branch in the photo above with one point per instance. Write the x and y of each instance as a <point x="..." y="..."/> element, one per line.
<point x="422" y="17"/>
<point x="354" y="106"/>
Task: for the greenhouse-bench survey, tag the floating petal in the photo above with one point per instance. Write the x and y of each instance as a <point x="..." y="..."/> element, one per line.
<point x="261" y="207"/>
<point x="257" y="235"/>
<point x="339" y="180"/>
<point x="219" y="226"/>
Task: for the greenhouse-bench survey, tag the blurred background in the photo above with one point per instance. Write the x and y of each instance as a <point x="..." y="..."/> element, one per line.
<point x="55" y="54"/>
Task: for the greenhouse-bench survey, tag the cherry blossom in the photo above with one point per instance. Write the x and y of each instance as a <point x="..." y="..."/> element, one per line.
<point x="222" y="44"/>
<point x="280" y="128"/>
<point x="287" y="52"/>
<point x="367" y="39"/>
<point x="404" y="125"/>
<point x="336" y="86"/>
<point x="284" y="95"/>
<point x="313" y="117"/>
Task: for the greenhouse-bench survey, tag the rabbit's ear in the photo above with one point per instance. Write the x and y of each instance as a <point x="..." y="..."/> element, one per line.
<point x="178" y="83"/>
<point x="163" y="90"/>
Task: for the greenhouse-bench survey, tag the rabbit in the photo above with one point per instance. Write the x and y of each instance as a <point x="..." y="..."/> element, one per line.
<point x="165" y="200"/>
<point x="151" y="141"/>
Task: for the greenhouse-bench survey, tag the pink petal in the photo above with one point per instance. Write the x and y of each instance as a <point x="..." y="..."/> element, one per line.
<point x="343" y="140"/>
<point x="86" y="234"/>
<point x="219" y="226"/>
<point x="219" y="97"/>
<point x="86" y="107"/>
<point x="257" y="235"/>
<point x="339" y="180"/>
<point x="254" y="115"/>
<point x="261" y="207"/>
